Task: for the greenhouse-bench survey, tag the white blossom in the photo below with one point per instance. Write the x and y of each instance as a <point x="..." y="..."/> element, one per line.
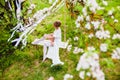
<point x="110" y="12"/>
<point x="68" y="76"/>
<point x="115" y="21"/>
<point x="116" y="36"/>
<point x="76" y="38"/>
<point x="112" y="17"/>
<point x="82" y="64"/>
<point x="103" y="47"/>
<point x="91" y="35"/>
<point x="101" y="34"/>
<point x="78" y="20"/>
<point x="92" y="9"/>
<point x="98" y="74"/>
<point x="69" y="47"/>
<point x="87" y="26"/>
<point x="88" y="18"/>
<point x="32" y="6"/>
<point x="90" y="61"/>
<point x="96" y="24"/>
<point x="82" y="74"/>
<point x="84" y="10"/>
<point x="93" y="5"/>
<point x="116" y="53"/>
<point x="105" y="3"/>
<point x="88" y="74"/>
<point x="95" y="56"/>
<point x="86" y="61"/>
<point x="78" y="25"/>
<point x="77" y="50"/>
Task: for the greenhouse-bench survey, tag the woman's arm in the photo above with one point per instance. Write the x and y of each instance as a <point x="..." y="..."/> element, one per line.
<point x="49" y="36"/>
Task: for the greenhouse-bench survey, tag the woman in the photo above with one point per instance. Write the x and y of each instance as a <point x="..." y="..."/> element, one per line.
<point x="53" y="48"/>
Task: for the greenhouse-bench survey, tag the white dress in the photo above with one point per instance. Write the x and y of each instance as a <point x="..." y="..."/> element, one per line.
<point x="53" y="51"/>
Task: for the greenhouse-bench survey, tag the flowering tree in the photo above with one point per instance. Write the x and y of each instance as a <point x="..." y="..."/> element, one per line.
<point x="94" y="21"/>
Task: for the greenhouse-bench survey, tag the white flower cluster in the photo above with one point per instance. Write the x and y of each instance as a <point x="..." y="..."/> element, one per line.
<point x="84" y="11"/>
<point x="79" y="19"/>
<point x="103" y="47"/>
<point x="69" y="47"/>
<point x="93" y="5"/>
<point x="82" y="74"/>
<point x="101" y="34"/>
<point x="112" y="17"/>
<point x="87" y="26"/>
<point x="77" y="50"/>
<point x="116" y="53"/>
<point x="110" y="12"/>
<point x="90" y="62"/>
<point x="32" y="6"/>
<point x="116" y="36"/>
<point x="76" y="38"/>
<point x="88" y="18"/>
<point x="91" y="35"/>
<point x="96" y="24"/>
<point x="68" y="76"/>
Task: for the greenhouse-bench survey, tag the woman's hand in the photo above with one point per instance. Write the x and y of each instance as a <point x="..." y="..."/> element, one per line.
<point x="49" y="36"/>
<point x="52" y="43"/>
